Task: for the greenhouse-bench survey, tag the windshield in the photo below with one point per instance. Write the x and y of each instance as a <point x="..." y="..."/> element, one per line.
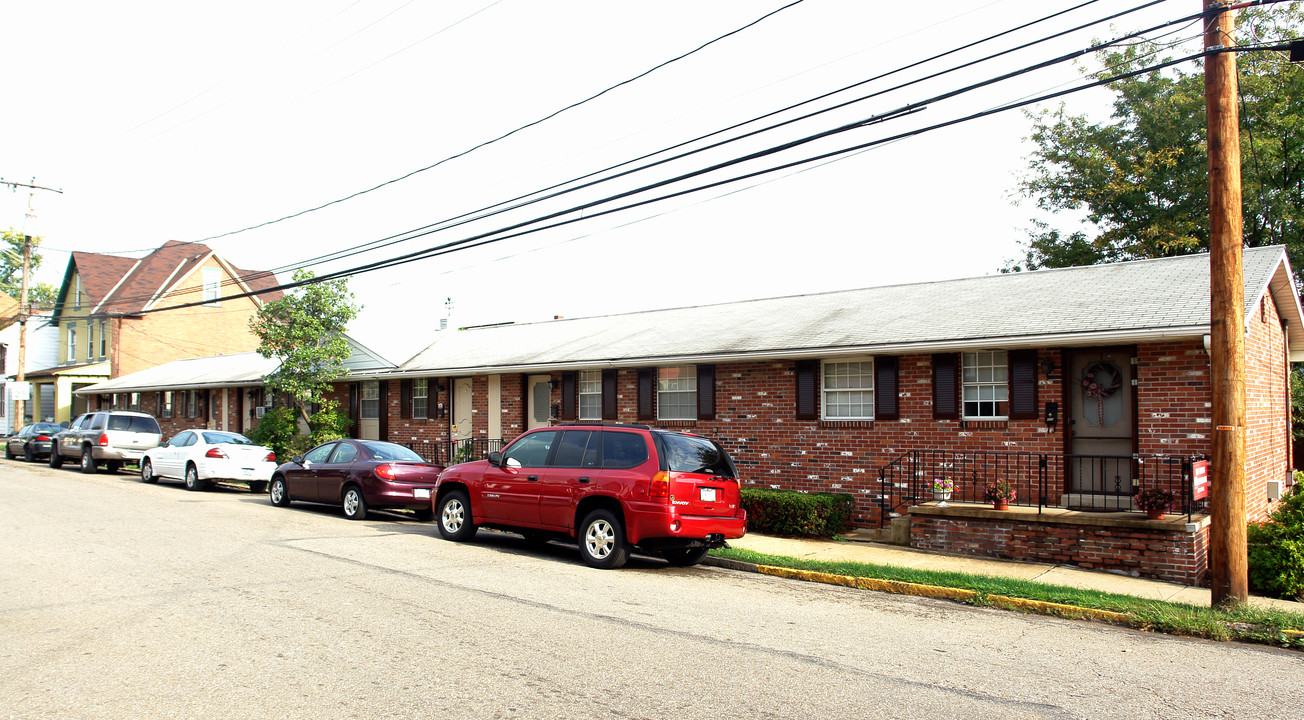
<point x="685" y="453"/>
<point x="133" y="423"/>
<point x="390" y="451"/>
<point x="216" y="438"/>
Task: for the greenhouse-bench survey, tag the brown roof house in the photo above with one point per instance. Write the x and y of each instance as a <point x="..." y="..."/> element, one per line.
<point x="109" y="324"/>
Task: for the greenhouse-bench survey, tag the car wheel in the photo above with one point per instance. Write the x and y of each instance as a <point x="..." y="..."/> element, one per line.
<point x="56" y="460"/>
<point x="279" y="495"/>
<point x="424" y="514"/>
<point x="355" y="506"/>
<point x="455" y="517"/>
<point x="192" y="479"/>
<point x="28" y="455"/>
<point x="9" y="454"/>
<point x="602" y="540"/>
<point x="88" y="464"/>
<point x="147" y="472"/>
<point x="258" y="487"/>
<point x="685" y="557"/>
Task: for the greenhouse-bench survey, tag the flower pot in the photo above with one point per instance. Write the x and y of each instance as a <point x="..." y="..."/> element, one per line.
<point x="1154" y="514"/>
<point x="1001" y="504"/>
<point x="942" y="496"/>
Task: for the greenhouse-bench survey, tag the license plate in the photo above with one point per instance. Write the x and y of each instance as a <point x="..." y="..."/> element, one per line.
<point x="421" y="493"/>
<point x="708" y="494"/>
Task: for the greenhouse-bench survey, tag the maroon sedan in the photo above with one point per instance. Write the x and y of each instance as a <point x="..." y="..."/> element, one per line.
<point x="357" y="474"/>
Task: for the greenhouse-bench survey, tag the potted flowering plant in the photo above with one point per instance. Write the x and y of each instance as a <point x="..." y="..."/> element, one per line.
<point x="1155" y="502"/>
<point x="942" y="489"/>
<point x="1000" y="495"/>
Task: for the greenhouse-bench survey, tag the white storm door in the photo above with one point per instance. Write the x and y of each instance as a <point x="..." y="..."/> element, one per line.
<point x="462" y="404"/>
<point x="538" y="401"/>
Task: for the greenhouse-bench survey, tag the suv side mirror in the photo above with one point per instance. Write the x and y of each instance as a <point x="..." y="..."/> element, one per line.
<point x="496" y="459"/>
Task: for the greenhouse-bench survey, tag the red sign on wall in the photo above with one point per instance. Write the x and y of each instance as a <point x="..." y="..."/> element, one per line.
<point x="1200" y="479"/>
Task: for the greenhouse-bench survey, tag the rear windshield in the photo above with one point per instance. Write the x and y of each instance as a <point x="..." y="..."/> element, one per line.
<point x="45" y="427"/>
<point x="390" y="451"/>
<point x="217" y="438"/>
<point x="133" y="423"/>
<point x="684" y="453"/>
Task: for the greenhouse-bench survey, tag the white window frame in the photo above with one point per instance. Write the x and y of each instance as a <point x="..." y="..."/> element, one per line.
<point x="133" y="401"/>
<point x="589" y="388"/>
<point x="72" y="342"/>
<point x="165" y="404"/>
<point x="979" y="371"/>
<point x="104" y="338"/>
<point x="212" y="278"/>
<point x="834" y="382"/>
<point x="90" y="340"/>
<point x="421" y="392"/>
<point x="675" y="388"/>
<point x="369" y="400"/>
<point x="76" y="292"/>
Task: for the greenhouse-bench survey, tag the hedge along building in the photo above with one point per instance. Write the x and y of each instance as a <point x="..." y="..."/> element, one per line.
<point x="1078" y="386"/>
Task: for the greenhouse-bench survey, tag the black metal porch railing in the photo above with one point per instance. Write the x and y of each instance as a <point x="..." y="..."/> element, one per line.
<point x="1078" y="482"/>
<point x="450" y="452"/>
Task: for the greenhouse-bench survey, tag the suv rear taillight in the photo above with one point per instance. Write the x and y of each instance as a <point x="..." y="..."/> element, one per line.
<point x="104" y="440"/>
<point x="385" y="471"/>
<point x="660" y="486"/>
<point x="215" y="453"/>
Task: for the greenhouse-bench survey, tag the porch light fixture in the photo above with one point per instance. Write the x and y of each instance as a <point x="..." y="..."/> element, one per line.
<point x="1047" y="366"/>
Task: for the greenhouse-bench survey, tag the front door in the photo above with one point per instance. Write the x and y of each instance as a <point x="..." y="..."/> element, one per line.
<point x="462" y="402"/>
<point x="369" y="410"/>
<point x="1102" y="422"/>
<point x="538" y="401"/>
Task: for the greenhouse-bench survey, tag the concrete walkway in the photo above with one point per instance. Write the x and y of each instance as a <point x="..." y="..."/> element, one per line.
<point x="857" y="549"/>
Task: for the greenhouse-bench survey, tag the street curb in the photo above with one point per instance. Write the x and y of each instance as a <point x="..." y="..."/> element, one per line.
<point x="917" y="590"/>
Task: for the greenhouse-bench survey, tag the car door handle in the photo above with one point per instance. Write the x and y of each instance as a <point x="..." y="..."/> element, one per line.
<point x="532" y="478"/>
<point x="584" y="480"/>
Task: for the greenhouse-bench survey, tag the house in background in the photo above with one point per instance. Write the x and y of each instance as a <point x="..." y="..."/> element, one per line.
<point x="107" y="327"/>
<point x="1079" y="386"/>
<point x="42" y="345"/>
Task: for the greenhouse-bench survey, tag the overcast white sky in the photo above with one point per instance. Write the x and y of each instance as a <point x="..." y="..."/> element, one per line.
<point x="179" y="121"/>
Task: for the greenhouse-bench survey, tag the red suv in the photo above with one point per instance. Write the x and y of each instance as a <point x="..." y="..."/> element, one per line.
<point x="612" y="487"/>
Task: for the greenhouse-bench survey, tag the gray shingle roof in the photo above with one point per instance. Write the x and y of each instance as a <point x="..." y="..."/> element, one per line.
<point x="1122" y="302"/>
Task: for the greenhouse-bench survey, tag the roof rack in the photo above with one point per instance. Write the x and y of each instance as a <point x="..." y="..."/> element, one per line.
<point x="604" y="424"/>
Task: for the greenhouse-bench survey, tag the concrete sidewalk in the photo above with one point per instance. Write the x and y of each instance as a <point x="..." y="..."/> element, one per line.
<point x="858" y="549"/>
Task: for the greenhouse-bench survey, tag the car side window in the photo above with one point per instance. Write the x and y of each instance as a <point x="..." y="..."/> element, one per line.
<point x="319" y="453"/>
<point x="573" y="449"/>
<point x="344" y="452"/>
<point x="181" y="440"/>
<point x="98" y="421"/>
<point x="532" y="450"/>
<point x="622" y="450"/>
<point x="79" y="422"/>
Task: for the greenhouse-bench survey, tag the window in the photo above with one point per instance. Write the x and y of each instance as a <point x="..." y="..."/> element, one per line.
<point x="192" y="403"/>
<point x="76" y="292"/>
<point x="98" y="421"/>
<point x="685" y="453"/>
<point x="848" y="390"/>
<point x="134" y="402"/>
<point x="370" y="406"/>
<point x="421" y="398"/>
<point x="165" y="404"/>
<point x="677" y="393"/>
<point x="104" y="339"/>
<point x="578" y="448"/>
<point x="622" y="450"/>
<point x="319" y="453"/>
<point x="591" y="395"/>
<point x="531" y="450"/>
<point x="72" y="342"/>
<point x="212" y="285"/>
<point x="344" y="452"/>
<point x="90" y="340"/>
<point x="130" y="423"/>
<point x="985" y="387"/>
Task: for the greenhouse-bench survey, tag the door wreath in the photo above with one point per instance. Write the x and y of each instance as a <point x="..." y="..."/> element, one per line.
<point x="1099" y="381"/>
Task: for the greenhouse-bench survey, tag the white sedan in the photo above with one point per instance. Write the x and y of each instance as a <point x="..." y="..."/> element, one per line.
<point x="197" y="456"/>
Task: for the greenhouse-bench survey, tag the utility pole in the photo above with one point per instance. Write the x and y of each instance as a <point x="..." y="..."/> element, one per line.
<point x="24" y="311"/>
<point x="1228" y="564"/>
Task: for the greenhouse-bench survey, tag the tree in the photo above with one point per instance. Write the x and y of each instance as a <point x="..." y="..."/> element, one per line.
<point x="39" y="295"/>
<point x="1142" y="177"/>
<point x="305" y="330"/>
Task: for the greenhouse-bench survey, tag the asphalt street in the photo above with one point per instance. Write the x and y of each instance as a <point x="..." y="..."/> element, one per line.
<point x="120" y="599"/>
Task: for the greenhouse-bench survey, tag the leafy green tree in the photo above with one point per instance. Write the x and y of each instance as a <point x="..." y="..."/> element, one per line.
<point x="39" y="295"/>
<point x="1142" y="179"/>
<point x="305" y="331"/>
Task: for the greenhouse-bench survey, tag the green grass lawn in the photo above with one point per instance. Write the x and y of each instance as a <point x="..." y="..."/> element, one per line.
<point x="1248" y="624"/>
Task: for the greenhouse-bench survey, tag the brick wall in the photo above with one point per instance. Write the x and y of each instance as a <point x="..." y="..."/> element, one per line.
<point x="1267" y="407"/>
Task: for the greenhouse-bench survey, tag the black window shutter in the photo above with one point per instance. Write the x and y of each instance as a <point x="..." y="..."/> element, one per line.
<point x="807" y="372"/>
<point x="885" y="389"/>
<point x="945" y="405"/>
<point x="1023" y="384"/>
<point x="568" y="400"/>
<point x="353" y="408"/>
<point x="404" y="398"/>
<point x="383" y="391"/>
<point x="705" y="392"/>
<point x="647" y="381"/>
<point x="608" y="394"/>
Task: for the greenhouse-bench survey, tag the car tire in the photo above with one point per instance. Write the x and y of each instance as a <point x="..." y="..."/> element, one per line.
<point x="424" y="514"/>
<point x="602" y="540"/>
<point x="684" y="557"/>
<point x="9" y="454"/>
<point x="193" y="482"/>
<point x="355" y="506"/>
<point x="56" y="460"/>
<point x="455" y="516"/>
<point x="147" y="471"/>
<point x="258" y="487"/>
<point x="88" y="464"/>
<point x="28" y="455"/>
<point x="278" y="493"/>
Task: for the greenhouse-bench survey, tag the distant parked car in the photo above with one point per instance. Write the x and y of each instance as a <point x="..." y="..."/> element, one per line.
<point x="198" y="456"/>
<point x="112" y="437"/>
<point x="358" y="475"/>
<point x="32" y="441"/>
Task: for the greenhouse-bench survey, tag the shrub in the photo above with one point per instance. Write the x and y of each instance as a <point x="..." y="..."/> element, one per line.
<point x="275" y="430"/>
<point x="1276" y="549"/>
<point x="785" y="512"/>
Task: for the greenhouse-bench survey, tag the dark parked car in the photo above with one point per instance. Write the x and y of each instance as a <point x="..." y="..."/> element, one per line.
<point x="358" y="475"/>
<point x="610" y="487"/>
<point x="32" y="441"/>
